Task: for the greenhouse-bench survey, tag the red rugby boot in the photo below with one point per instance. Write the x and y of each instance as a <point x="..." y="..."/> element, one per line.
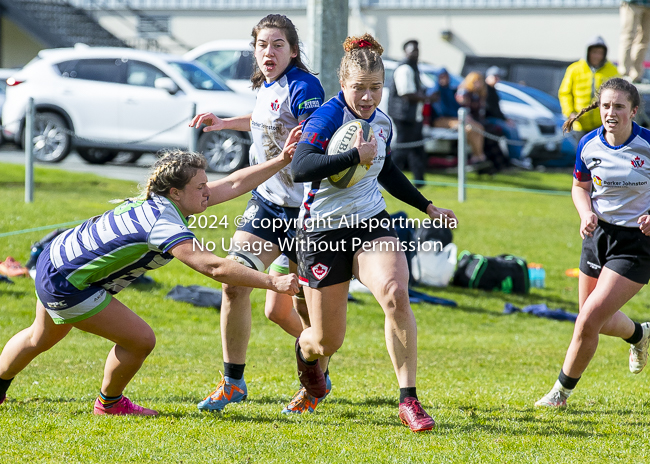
<point x="412" y="414"/>
<point x="311" y="376"/>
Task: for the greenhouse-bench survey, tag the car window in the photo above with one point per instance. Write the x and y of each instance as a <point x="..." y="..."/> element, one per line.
<point x="505" y="96"/>
<point x="540" y="77"/>
<point x="542" y="97"/>
<point x="142" y="74"/>
<point x="229" y="64"/>
<point x="197" y="76"/>
<point x="102" y="70"/>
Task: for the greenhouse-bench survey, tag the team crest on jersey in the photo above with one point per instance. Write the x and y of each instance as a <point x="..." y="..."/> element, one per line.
<point x="275" y="106"/>
<point x="637" y="162"/>
<point x="382" y="135"/>
<point x="598" y="181"/>
<point x="320" y="271"/>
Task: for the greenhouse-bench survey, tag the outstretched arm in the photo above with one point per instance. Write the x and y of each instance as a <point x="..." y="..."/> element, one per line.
<point x="245" y="180"/>
<point x="229" y="272"/>
<point x="214" y="123"/>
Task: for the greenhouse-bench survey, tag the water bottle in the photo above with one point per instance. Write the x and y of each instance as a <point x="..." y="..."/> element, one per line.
<point x="536" y="275"/>
<point x="542" y="277"/>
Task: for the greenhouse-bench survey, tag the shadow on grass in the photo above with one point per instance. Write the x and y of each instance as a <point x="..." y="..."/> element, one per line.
<point x="496" y="299"/>
<point x="4" y="291"/>
<point x="534" y="421"/>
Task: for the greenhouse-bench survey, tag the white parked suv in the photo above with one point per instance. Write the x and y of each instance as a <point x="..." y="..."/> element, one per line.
<point x="105" y="100"/>
<point x="231" y="59"/>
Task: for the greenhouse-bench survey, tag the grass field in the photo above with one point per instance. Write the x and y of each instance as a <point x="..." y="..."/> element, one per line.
<point x="479" y="371"/>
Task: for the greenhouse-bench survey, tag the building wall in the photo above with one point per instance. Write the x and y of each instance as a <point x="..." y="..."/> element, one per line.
<point x="560" y="34"/>
<point x="538" y="33"/>
<point x="17" y="47"/>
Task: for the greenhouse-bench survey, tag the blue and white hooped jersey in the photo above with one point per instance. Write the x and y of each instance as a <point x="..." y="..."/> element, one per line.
<point x="114" y="249"/>
<point x="278" y="107"/>
<point x="620" y="175"/>
<point x="325" y="206"/>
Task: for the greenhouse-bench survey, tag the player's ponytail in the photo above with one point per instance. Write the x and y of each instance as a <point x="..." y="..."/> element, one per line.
<point x="615" y="83"/>
<point x="362" y="53"/>
<point x="568" y="124"/>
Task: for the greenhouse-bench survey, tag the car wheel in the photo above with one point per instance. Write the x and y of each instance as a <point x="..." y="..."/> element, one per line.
<point x="226" y="150"/>
<point x="52" y="140"/>
<point x="96" y="155"/>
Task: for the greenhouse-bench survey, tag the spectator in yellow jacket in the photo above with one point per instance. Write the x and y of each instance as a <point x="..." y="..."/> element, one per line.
<point x="581" y="81"/>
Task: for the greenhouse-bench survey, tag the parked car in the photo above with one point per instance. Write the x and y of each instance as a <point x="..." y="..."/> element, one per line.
<point x="105" y="100"/>
<point x="441" y="141"/>
<point x="547" y="124"/>
<point x="4" y="75"/>
<point x="538" y="116"/>
<point x="233" y="60"/>
<point x="542" y="74"/>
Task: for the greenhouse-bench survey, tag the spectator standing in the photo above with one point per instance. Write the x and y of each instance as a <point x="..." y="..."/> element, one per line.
<point x="580" y="83"/>
<point x="635" y="35"/>
<point x="494" y="116"/>
<point x="406" y="99"/>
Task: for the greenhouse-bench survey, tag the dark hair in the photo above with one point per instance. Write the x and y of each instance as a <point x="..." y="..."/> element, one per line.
<point x="281" y="22"/>
<point x="407" y="43"/>
<point x="363" y="53"/>
<point x="615" y="83"/>
<point x="174" y="169"/>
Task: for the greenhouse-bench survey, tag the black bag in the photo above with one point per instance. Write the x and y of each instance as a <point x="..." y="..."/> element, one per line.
<point x="434" y="234"/>
<point x="505" y="273"/>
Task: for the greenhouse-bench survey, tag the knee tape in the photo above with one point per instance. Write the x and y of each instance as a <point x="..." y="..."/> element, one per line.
<point x="248" y="259"/>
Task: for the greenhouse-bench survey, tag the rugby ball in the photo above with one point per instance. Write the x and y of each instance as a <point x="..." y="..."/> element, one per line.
<point x="343" y="140"/>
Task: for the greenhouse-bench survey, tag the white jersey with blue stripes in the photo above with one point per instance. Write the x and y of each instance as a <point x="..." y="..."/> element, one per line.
<point x="114" y="249"/>
<point x="325" y="206"/>
<point x="620" y="175"/>
<point x="278" y="109"/>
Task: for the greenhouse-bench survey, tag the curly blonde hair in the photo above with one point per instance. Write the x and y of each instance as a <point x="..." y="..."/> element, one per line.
<point x="362" y="53"/>
<point x="174" y="169"/>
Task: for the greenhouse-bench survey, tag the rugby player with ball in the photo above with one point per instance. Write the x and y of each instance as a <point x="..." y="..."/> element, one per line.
<point x="341" y="182"/>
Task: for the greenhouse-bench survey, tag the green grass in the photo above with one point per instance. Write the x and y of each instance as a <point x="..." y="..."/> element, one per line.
<point x="479" y="371"/>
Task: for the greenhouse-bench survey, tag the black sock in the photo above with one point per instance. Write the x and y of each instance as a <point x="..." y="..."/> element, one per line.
<point x="567" y="382"/>
<point x="4" y="386"/>
<point x="234" y="371"/>
<point x="637" y="335"/>
<point x="406" y="393"/>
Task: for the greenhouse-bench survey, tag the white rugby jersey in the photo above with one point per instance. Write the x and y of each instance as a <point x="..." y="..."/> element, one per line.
<point x="278" y="107"/>
<point x="325" y="206"/>
<point x="620" y="175"/>
<point x="114" y="249"/>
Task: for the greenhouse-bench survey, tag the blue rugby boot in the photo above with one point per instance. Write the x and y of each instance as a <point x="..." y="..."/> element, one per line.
<point x="225" y="393"/>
